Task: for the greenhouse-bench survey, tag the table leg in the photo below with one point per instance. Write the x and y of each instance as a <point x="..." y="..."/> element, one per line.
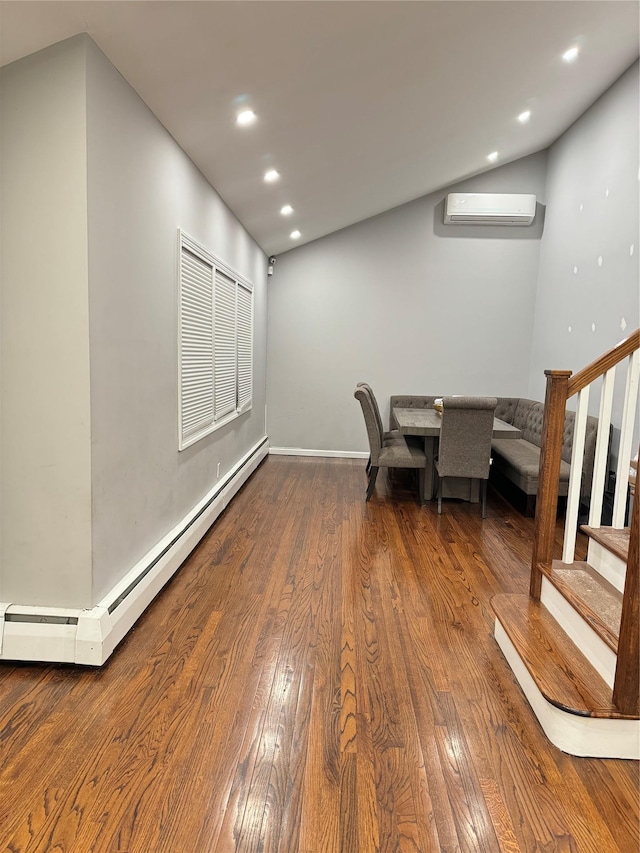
<point x="429" y="452"/>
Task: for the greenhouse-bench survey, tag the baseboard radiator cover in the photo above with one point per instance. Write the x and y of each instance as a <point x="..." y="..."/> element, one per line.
<point x="73" y="635"/>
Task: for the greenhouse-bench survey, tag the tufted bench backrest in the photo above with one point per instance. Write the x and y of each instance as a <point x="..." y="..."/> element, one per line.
<point x="531" y="422"/>
<point x="528" y="415"/>
<point x="506" y="408"/>
<point x="408" y="401"/>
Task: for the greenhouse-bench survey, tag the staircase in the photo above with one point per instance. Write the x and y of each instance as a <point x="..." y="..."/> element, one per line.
<point x="573" y="642"/>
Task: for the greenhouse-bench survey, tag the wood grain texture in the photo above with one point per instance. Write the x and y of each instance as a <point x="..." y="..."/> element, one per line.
<point x="561" y="673"/>
<point x="320" y="676"/>
<point x="549" y="474"/>
<point x="626" y="688"/>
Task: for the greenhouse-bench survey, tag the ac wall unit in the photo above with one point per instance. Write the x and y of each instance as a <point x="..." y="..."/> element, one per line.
<point x="489" y="209"/>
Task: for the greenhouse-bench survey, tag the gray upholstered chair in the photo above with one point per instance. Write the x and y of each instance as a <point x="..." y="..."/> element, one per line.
<point x="465" y="441"/>
<point x="392" y="453"/>
<point x="390" y="435"/>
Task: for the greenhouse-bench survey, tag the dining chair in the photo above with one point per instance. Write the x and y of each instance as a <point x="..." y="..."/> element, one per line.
<point x="389" y="453"/>
<point x="388" y="435"/>
<point x="465" y="442"/>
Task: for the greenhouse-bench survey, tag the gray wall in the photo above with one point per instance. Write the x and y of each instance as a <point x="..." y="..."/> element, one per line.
<point x="592" y="213"/>
<point x="405" y="303"/>
<point x="94" y="191"/>
<point x="142" y="188"/>
<point x="45" y="450"/>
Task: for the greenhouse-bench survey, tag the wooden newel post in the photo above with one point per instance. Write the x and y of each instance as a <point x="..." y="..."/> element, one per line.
<point x="555" y="403"/>
<point x="626" y="685"/>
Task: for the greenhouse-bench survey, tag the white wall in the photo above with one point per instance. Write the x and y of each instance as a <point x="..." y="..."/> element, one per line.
<point x="141" y="189"/>
<point x="592" y="213"/>
<point x="45" y="457"/>
<point x="405" y="303"/>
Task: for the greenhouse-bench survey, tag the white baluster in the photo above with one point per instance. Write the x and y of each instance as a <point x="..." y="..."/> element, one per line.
<point x="575" y="477"/>
<point x="602" y="448"/>
<point x="626" y="437"/>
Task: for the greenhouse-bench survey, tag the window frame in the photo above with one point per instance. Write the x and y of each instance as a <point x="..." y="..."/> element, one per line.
<point x="185" y="242"/>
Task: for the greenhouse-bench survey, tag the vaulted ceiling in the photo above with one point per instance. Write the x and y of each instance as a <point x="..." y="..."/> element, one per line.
<point x="360" y="106"/>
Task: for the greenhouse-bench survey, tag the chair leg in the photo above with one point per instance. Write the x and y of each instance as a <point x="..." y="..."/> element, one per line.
<point x="484" y="498"/>
<point x="530" y="509"/>
<point x="440" y="479"/>
<point x="421" y="477"/>
<point x="373" y="473"/>
<point x="368" y="464"/>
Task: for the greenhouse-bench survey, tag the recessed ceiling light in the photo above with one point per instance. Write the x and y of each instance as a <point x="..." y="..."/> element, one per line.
<point x="287" y="210"/>
<point x="571" y="54"/>
<point x="492" y="157"/>
<point x="524" y="117"/>
<point x="271" y="176"/>
<point x="295" y="235"/>
<point x="245" y="118"/>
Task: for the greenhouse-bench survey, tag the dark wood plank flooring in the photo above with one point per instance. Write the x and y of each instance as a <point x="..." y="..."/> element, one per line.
<point x="320" y="677"/>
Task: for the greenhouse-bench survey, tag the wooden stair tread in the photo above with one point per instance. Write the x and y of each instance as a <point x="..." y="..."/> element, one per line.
<point x="560" y="671"/>
<point x="613" y="539"/>
<point x="597" y="601"/>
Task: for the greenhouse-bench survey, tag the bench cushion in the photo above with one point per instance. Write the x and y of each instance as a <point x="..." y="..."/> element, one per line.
<point x="519" y="460"/>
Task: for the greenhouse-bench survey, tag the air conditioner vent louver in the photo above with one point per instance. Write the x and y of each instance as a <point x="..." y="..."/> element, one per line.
<point x="489" y="209"/>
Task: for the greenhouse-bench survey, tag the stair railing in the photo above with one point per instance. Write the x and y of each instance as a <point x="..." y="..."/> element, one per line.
<point x="561" y="386"/>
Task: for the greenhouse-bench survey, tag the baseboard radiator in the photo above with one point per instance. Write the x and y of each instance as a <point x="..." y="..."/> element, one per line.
<point x="73" y="635"/>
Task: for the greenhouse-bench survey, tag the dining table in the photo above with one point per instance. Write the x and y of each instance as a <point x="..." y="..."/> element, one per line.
<point x="427" y="423"/>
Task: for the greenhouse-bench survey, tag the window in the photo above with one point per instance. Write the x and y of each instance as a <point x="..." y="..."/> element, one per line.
<point x="215" y="343"/>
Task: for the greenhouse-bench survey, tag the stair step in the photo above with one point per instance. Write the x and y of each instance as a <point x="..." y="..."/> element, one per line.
<point x="597" y="601"/>
<point x="613" y="539"/>
<point x="562" y="674"/>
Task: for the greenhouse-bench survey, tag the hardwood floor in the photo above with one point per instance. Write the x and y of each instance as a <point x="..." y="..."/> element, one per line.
<point x="321" y="675"/>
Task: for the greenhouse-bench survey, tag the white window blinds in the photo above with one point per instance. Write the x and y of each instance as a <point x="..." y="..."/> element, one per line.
<point x="245" y="347"/>
<point x="196" y="345"/>
<point x="215" y="343"/>
<point x="225" y="345"/>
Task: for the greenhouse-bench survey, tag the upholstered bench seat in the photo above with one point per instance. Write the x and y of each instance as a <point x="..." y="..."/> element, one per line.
<point x="519" y="460"/>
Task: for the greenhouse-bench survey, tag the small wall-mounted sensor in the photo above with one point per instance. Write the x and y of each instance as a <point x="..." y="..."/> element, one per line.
<point x="272" y="261"/>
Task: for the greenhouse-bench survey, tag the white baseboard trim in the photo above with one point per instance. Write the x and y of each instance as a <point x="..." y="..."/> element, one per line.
<point x="68" y="635"/>
<point x="302" y="451"/>
<point x="583" y="736"/>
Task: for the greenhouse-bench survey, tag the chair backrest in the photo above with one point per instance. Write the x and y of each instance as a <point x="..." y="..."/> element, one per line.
<point x="374" y="432"/>
<point x="374" y="403"/>
<point x="465" y="436"/>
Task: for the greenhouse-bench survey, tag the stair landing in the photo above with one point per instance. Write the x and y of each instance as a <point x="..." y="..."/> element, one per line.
<point x="570" y="699"/>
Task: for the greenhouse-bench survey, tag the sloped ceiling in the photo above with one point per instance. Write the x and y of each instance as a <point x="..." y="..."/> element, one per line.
<point x="361" y="106"/>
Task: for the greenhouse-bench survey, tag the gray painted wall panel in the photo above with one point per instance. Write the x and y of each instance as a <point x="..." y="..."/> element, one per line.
<point x="405" y="303"/>
<point x="142" y="188"/>
<point x="45" y="458"/>
<point x="592" y="194"/>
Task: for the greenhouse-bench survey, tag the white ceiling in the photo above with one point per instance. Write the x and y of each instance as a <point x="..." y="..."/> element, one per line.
<point x="361" y="105"/>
